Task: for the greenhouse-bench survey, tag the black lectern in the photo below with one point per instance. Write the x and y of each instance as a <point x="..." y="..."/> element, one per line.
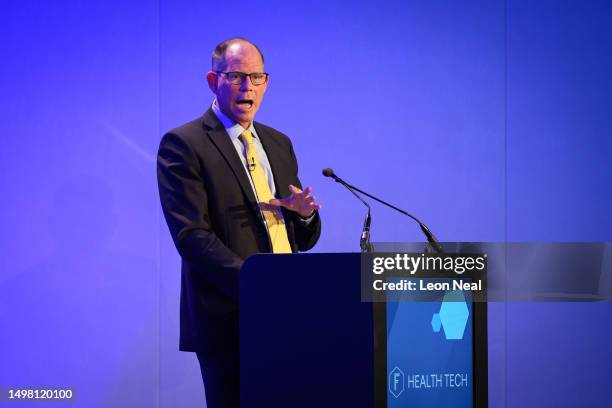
<point x="306" y="339"/>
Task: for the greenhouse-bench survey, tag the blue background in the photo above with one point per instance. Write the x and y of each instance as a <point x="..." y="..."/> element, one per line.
<point x="487" y="119"/>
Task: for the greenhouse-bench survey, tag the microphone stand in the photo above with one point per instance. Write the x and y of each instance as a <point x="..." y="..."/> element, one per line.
<point x="433" y="242"/>
<point x="364" y="242"/>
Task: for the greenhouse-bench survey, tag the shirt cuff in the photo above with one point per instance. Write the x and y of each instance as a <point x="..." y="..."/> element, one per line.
<point x="306" y="221"/>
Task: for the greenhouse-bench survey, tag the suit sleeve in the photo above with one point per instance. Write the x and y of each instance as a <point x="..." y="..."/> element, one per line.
<point x="307" y="233"/>
<point x="184" y="202"/>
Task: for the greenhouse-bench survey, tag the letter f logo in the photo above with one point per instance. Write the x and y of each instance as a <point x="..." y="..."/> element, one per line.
<point x="396" y="382"/>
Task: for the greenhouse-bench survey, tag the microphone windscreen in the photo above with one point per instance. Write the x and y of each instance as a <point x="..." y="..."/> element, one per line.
<point x="328" y="172"/>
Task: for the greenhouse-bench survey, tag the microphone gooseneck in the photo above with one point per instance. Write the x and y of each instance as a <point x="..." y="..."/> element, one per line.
<point x="364" y="242"/>
<point x="328" y="172"/>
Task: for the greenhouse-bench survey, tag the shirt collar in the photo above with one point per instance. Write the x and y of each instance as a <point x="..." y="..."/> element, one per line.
<point x="233" y="129"/>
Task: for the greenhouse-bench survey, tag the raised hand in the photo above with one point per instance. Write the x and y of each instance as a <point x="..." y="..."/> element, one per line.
<point x="299" y="201"/>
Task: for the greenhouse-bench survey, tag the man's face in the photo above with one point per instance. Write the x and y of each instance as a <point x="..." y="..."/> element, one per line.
<point x="239" y="102"/>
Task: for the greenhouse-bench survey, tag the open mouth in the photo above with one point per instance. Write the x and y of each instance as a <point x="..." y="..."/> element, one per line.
<point x="245" y="103"/>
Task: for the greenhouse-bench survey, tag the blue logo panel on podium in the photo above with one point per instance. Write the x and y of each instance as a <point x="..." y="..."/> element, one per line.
<point x="429" y="350"/>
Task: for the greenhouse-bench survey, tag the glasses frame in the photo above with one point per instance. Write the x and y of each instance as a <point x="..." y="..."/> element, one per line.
<point x="244" y="76"/>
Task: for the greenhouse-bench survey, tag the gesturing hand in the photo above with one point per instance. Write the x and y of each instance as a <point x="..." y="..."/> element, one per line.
<point x="299" y="201"/>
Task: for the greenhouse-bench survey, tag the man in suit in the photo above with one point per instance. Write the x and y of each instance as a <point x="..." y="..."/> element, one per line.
<point x="229" y="189"/>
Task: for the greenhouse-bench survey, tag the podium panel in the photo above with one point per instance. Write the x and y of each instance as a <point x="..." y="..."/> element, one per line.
<point x="306" y="339"/>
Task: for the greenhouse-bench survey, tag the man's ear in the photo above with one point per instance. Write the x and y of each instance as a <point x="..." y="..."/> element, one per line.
<point x="211" y="78"/>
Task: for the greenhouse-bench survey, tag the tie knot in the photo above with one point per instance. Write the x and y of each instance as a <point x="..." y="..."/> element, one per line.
<point x="247" y="137"/>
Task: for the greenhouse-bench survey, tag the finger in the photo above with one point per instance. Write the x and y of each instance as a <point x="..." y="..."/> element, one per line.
<point x="307" y="191"/>
<point x="315" y="207"/>
<point x="277" y="203"/>
<point x="294" y="189"/>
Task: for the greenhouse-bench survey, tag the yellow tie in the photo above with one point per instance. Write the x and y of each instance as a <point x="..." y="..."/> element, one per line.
<point x="272" y="215"/>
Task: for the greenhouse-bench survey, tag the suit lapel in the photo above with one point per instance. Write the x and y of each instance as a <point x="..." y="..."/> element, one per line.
<point x="221" y="140"/>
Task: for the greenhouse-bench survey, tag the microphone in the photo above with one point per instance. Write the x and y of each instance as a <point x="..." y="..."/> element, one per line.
<point x="330" y="173"/>
<point x="433" y="242"/>
<point x="364" y="242"/>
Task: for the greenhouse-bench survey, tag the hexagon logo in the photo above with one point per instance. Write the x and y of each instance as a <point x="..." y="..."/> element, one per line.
<point x="436" y="323"/>
<point x="453" y="315"/>
<point x="396" y="382"/>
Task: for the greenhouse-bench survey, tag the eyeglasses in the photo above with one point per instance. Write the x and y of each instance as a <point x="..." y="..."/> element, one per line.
<point x="237" y="78"/>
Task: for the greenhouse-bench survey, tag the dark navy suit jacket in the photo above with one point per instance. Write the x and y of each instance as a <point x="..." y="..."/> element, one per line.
<point x="214" y="220"/>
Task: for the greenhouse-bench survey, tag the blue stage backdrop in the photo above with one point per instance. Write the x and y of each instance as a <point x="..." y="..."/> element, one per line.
<point x="487" y="119"/>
